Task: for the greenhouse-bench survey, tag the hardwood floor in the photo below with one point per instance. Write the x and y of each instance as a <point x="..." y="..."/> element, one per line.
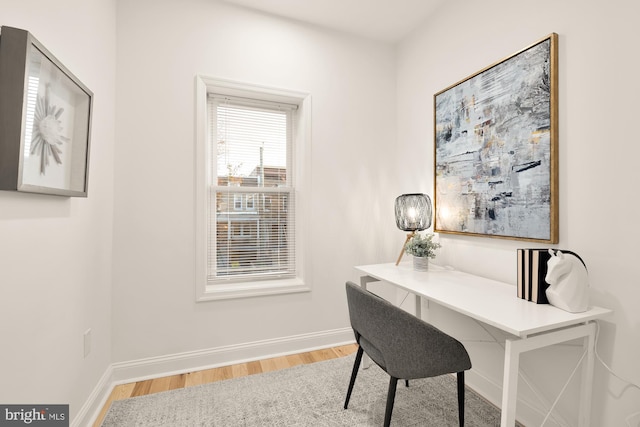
<point x="156" y="385"/>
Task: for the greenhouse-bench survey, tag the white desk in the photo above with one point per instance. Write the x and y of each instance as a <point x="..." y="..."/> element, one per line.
<point x="495" y="303"/>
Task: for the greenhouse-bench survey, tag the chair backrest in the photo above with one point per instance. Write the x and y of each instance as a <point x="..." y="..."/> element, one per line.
<point x="403" y="345"/>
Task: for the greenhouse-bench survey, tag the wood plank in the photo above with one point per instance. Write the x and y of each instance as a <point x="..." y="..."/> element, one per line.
<point x="318" y="355"/>
<point x="294" y="360"/>
<point x="222" y="373"/>
<point x="275" y="364"/>
<point x="346" y="350"/>
<point x="141" y="388"/>
<point x="178" y="381"/>
<point x="123" y="391"/>
<point x="307" y="357"/>
<point x="160" y="384"/>
<point x="254" y="367"/>
<point x="239" y="370"/>
<point x="195" y="378"/>
<point x="206" y="376"/>
<point x="323" y="354"/>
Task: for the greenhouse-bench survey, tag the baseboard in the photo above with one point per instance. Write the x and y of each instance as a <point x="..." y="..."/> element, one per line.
<point x="153" y="367"/>
<point x="96" y="400"/>
<point x="173" y="364"/>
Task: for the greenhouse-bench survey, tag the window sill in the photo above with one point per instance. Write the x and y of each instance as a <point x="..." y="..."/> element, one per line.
<point x="252" y="289"/>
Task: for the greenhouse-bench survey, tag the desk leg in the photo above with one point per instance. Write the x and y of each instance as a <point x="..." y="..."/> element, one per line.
<point x="512" y="351"/>
<point x="510" y="384"/>
<point x="586" y="390"/>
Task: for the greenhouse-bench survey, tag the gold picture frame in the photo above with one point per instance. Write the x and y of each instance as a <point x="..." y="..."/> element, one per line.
<point x="496" y="149"/>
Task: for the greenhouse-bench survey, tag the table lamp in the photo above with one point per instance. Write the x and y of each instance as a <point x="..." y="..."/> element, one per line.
<point x="413" y="213"/>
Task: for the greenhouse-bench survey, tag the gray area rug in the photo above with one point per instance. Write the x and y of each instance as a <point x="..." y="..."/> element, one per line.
<point x="305" y="395"/>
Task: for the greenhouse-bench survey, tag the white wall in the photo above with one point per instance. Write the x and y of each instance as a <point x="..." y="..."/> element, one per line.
<point x="598" y="154"/>
<point x="56" y="271"/>
<point x="55" y="252"/>
<point x="162" y="45"/>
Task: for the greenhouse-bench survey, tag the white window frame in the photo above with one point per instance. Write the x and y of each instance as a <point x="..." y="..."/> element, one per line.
<point x="206" y="290"/>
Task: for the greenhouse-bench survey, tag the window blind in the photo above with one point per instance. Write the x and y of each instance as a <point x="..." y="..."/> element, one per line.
<point x="251" y="197"/>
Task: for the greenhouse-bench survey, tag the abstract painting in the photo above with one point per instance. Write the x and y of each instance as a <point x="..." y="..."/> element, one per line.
<point x="496" y="149"/>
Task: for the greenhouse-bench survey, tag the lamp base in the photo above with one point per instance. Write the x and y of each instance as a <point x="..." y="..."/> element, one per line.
<point x="409" y="236"/>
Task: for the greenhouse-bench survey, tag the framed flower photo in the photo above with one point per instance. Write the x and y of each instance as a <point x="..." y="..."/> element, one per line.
<point x="45" y="120"/>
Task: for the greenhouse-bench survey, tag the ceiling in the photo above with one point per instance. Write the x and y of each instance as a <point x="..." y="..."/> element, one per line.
<point x="383" y="20"/>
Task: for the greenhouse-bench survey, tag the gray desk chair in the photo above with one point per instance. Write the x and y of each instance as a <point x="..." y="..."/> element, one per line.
<point x="403" y="345"/>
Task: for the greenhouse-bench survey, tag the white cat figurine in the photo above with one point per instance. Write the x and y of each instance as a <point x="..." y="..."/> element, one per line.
<point x="568" y="282"/>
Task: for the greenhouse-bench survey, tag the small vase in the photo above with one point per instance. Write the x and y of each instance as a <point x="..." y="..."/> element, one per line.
<point x="420" y="263"/>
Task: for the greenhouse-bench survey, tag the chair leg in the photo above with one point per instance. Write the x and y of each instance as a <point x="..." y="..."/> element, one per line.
<point x="391" y="396"/>
<point x="461" y="398"/>
<point x="354" y="373"/>
<point x="406" y="383"/>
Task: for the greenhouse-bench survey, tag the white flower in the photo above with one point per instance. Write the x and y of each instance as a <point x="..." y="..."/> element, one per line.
<point x="47" y="132"/>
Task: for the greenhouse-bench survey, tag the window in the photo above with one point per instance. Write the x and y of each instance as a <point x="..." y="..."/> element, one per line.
<point x="249" y="170"/>
<point x="250" y="202"/>
<point x="237" y="202"/>
<point x="251" y="146"/>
